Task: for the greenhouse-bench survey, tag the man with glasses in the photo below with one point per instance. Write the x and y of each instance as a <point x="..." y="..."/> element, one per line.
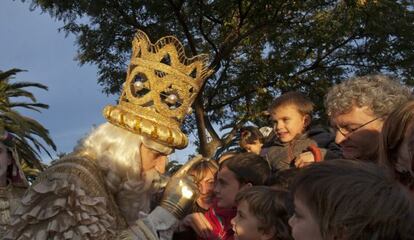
<point x="357" y="109"/>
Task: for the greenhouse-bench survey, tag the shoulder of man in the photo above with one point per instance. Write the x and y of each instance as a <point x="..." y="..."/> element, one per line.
<point x="70" y="191"/>
<point x="323" y="136"/>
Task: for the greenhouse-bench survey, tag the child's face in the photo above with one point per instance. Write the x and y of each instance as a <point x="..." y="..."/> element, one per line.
<point x="246" y="225"/>
<point x="288" y="122"/>
<point x="303" y="223"/>
<point x="226" y="188"/>
<point x="256" y="147"/>
<point x="206" y="187"/>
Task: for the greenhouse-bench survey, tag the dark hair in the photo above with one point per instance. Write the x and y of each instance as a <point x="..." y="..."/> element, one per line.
<point x="269" y="206"/>
<point x="355" y="200"/>
<point x="225" y="156"/>
<point x="392" y="136"/>
<point x="248" y="168"/>
<point x="282" y="179"/>
<point x="249" y="135"/>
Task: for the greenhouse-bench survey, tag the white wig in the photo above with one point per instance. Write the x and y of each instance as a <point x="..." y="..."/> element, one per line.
<point x="117" y="152"/>
<point x="118" y="149"/>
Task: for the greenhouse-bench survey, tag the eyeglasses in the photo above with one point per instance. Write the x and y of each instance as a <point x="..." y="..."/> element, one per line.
<point x="346" y="132"/>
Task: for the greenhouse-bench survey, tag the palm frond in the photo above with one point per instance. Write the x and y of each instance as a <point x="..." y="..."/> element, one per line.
<point x="28" y="84"/>
<point x="9" y="93"/>
<point x="9" y="73"/>
<point x="32" y="106"/>
<point x="30" y="137"/>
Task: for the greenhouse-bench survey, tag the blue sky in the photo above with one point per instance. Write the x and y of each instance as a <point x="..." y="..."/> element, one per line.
<point x="31" y="41"/>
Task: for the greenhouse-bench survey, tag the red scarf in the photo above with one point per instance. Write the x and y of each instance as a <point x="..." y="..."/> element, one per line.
<point x="220" y="218"/>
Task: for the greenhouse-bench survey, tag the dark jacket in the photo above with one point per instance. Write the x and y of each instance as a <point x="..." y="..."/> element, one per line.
<point x="282" y="155"/>
<point x="189" y="234"/>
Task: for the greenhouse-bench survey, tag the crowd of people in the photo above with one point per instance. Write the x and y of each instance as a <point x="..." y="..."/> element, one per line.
<point x="352" y="179"/>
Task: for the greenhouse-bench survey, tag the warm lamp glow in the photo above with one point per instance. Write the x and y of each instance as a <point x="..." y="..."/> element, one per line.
<point x="186" y="192"/>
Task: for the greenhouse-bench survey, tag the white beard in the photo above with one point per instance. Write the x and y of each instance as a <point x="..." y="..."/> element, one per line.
<point x="134" y="197"/>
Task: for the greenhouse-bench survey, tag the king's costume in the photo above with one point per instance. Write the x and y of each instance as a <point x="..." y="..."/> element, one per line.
<point x="73" y="199"/>
<point x="9" y="201"/>
<point x="17" y="184"/>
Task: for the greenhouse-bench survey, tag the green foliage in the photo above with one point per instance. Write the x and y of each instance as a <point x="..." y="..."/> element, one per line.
<point x="258" y="48"/>
<point x="26" y="131"/>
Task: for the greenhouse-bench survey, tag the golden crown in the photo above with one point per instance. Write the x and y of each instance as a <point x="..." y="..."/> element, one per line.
<point x="161" y="85"/>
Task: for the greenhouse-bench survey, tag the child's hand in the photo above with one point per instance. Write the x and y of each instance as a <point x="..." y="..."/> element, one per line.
<point x="199" y="223"/>
<point x="304" y="159"/>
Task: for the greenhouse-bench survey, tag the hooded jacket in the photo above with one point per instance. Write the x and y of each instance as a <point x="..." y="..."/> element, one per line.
<point x="281" y="156"/>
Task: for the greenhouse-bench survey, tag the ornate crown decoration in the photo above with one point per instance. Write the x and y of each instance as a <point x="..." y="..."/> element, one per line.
<point x="161" y="85"/>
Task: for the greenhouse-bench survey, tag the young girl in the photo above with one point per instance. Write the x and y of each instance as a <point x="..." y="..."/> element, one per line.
<point x="345" y="199"/>
<point x="203" y="173"/>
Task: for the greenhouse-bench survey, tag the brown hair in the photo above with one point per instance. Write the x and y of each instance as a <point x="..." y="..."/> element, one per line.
<point x="355" y="200"/>
<point x="249" y="135"/>
<point x="304" y="105"/>
<point x="396" y="127"/>
<point x="282" y="179"/>
<point x="225" y="156"/>
<point x="248" y="168"/>
<point x="200" y="169"/>
<point x="269" y="206"/>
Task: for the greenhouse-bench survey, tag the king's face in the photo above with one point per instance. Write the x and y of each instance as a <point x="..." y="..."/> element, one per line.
<point x="151" y="159"/>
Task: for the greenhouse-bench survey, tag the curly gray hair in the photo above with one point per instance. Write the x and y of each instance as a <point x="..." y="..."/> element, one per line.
<point x="381" y="93"/>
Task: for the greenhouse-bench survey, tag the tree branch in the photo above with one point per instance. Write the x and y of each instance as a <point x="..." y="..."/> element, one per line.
<point x="202" y="122"/>
<point x="129" y="20"/>
<point x="217" y="85"/>
<point x="312" y="66"/>
<point x="225" y="141"/>
<point x="200" y="24"/>
<point x="183" y="24"/>
<point x="316" y="63"/>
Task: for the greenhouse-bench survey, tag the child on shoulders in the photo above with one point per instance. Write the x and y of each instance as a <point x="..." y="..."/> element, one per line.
<point x="296" y="142"/>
